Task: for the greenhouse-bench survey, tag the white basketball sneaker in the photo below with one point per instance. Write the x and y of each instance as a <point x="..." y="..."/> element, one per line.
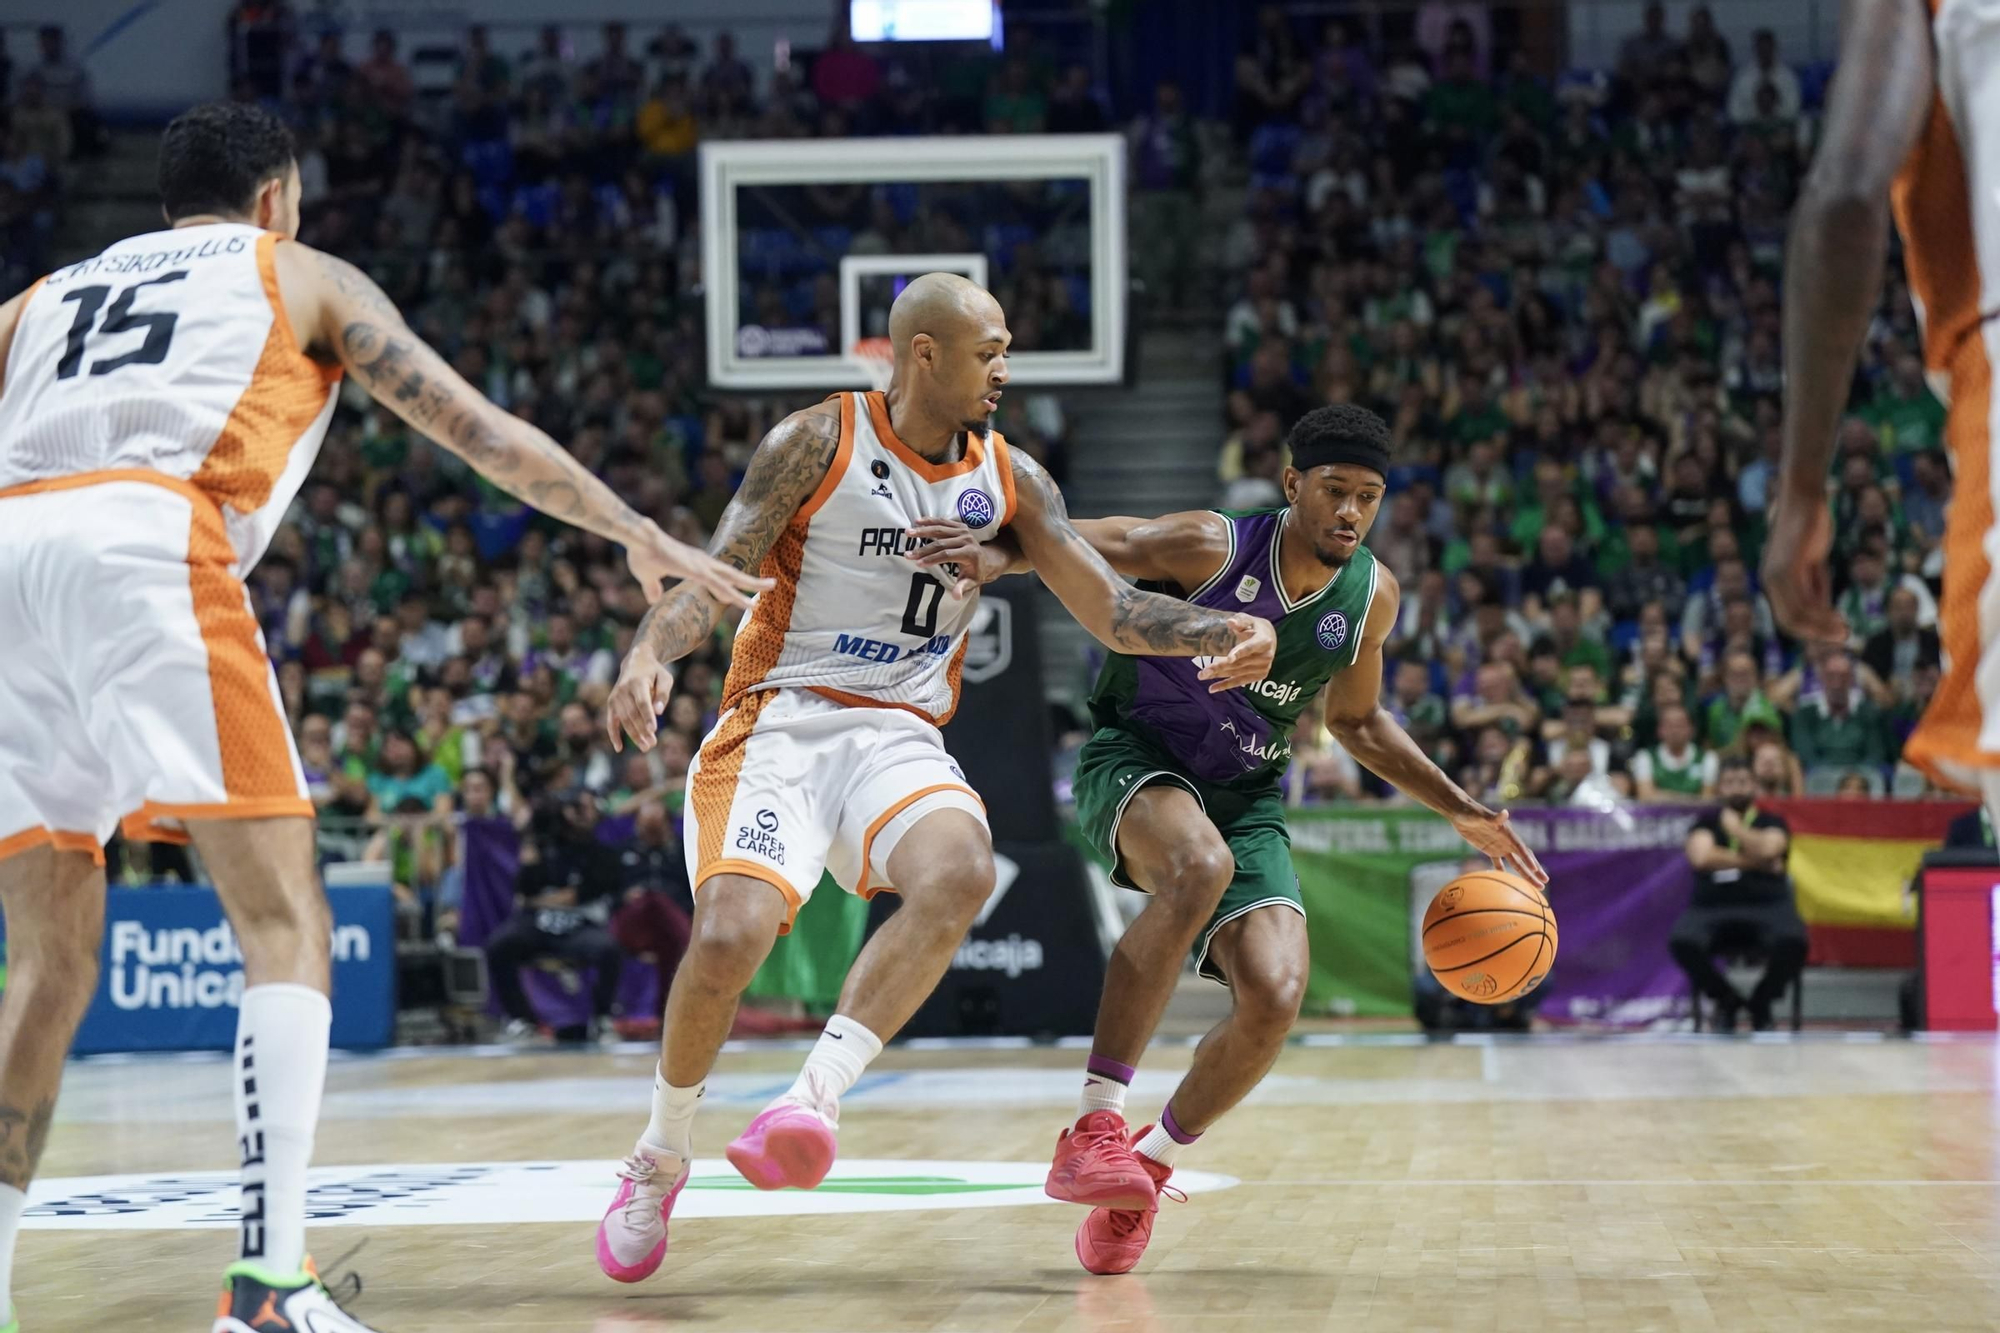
<point x="632" y="1238"/>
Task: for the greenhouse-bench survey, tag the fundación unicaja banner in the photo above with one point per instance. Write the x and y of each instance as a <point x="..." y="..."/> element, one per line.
<point x="170" y="972"/>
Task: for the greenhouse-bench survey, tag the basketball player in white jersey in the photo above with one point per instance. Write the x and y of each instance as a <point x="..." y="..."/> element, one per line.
<point x="1912" y="121"/>
<point x="160" y="405"/>
<point x="827" y="754"/>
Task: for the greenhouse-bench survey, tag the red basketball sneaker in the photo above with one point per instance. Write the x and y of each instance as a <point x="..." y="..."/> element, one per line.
<point x="1095" y="1165"/>
<point x="1112" y="1239"/>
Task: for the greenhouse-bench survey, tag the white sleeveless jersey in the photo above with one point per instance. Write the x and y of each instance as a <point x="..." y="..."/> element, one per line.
<point x="170" y="353"/>
<point x="853" y="617"/>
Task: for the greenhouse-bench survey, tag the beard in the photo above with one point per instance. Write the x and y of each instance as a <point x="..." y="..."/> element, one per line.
<point x="1740" y="803"/>
<point x="1331" y="557"/>
<point x="982" y="427"/>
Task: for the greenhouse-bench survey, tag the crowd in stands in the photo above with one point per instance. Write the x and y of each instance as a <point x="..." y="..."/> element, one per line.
<point x="47" y="119"/>
<point x="1563" y="295"/>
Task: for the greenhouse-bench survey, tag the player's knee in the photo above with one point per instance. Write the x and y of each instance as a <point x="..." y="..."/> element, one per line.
<point x="729" y="942"/>
<point x="957" y="884"/>
<point x="1268" y="1002"/>
<point x="1194" y="876"/>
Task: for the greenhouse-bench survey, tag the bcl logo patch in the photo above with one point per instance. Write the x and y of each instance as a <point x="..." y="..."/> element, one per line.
<point x="1246" y="591"/>
<point x="975" y="508"/>
<point x="1332" y="631"/>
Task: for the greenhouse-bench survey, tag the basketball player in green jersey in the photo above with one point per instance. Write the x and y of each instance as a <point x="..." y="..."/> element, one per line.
<point x="1180" y="789"/>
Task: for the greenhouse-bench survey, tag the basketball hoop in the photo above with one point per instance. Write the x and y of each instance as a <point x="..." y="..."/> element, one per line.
<point x="875" y="358"/>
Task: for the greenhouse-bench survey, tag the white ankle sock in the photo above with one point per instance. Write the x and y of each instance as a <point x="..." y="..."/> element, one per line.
<point x="1101" y="1093"/>
<point x="1159" y="1145"/>
<point x="838" y="1057"/>
<point x="672" y="1125"/>
<point x="281" y="1037"/>
<point x="12" y="1201"/>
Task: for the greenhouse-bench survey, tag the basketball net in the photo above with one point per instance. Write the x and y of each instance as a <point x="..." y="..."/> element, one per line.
<point x="875" y="358"/>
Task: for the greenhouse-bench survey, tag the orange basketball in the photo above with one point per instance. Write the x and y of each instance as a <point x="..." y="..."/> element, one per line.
<point x="1489" y="937"/>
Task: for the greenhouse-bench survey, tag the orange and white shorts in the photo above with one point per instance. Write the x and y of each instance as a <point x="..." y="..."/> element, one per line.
<point x="790" y="784"/>
<point x="135" y="691"/>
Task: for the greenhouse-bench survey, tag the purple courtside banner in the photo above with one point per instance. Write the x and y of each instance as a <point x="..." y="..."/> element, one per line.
<point x="1618" y="880"/>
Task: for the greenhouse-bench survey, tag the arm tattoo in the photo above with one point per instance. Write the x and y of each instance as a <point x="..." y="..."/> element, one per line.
<point x="353" y="284"/>
<point x="1149" y="622"/>
<point x="674" y="625"/>
<point x="23" y="1133"/>
<point x="787" y="467"/>
<point x="1140" y="622"/>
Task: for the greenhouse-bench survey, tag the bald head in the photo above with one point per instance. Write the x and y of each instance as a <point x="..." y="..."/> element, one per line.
<point x="947" y="306"/>
<point x="950" y="338"/>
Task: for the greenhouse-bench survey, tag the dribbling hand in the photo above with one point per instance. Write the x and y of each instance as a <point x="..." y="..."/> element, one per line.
<point x="637" y="701"/>
<point x="1492" y="833"/>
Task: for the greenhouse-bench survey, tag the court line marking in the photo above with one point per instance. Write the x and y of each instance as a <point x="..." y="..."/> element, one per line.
<point x="1357" y="1182"/>
<point x="1306" y="1040"/>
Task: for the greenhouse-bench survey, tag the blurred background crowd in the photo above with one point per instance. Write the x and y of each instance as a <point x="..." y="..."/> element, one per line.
<point x="1563" y="294"/>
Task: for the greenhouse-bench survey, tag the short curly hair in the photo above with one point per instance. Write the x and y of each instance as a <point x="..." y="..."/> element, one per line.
<point x="1344" y="423"/>
<point x="215" y="157"/>
<point x="1340" y="433"/>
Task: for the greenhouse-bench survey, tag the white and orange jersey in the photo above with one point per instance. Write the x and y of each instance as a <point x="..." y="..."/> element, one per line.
<point x="169" y="353"/>
<point x="853" y="617"/>
<point x="1947" y="206"/>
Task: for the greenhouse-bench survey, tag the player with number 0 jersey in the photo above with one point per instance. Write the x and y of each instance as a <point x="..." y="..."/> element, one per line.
<point x="865" y="512"/>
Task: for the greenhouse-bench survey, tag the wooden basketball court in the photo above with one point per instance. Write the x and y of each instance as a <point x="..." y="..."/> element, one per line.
<point x="1819" y="1183"/>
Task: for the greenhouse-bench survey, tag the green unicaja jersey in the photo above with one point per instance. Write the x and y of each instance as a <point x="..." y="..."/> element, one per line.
<point x="1243" y="737"/>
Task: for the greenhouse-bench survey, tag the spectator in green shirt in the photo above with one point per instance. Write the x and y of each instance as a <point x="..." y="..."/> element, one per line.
<point x="1480" y="478"/>
<point x="1015" y="104"/>
<point x="1460" y="102"/>
<point x="1676" y="769"/>
<point x="1418" y="709"/>
<point x="1552" y="484"/>
<point x="402" y="772"/>
<point x="1572" y="645"/>
<point x="1905" y="412"/>
<point x="1740" y="702"/>
<point x="1839" y="727"/>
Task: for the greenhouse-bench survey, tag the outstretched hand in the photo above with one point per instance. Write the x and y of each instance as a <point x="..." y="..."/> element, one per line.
<point x="656" y="557"/>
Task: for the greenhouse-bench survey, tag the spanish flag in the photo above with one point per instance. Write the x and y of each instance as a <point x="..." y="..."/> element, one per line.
<point x="1852" y="863"/>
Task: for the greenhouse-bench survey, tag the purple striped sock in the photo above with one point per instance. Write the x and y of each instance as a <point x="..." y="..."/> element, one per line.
<point x="1110" y="1069"/>
<point x="1173" y="1127"/>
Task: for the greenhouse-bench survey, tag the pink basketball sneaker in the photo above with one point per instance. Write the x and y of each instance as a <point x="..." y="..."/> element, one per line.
<point x="786" y="1146"/>
<point x="1095" y="1165"/>
<point x="1112" y="1239"/>
<point x="632" y="1238"/>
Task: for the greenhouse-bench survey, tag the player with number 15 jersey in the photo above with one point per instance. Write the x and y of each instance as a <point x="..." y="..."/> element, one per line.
<point x="160" y="404"/>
